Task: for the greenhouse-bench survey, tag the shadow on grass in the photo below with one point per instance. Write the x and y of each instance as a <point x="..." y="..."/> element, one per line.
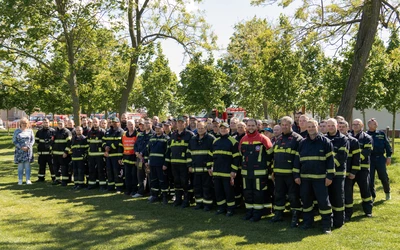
<point x="160" y="223"/>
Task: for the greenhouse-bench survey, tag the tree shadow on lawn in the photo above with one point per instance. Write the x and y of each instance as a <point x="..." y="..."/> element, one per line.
<point x="120" y="217"/>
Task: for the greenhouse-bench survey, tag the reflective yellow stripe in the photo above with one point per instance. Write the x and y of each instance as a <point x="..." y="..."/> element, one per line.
<point x="356" y="151"/>
<point x="356" y="167"/>
<point x="329" y="211"/>
<point x="200" y="152"/>
<point x="331" y="171"/>
<point x="340" y="173"/>
<point x="313" y="158"/>
<point x="329" y="154"/>
<point x="111" y="138"/>
<point x="367" y="145"/>
<point x="337" y="209"/>
<point x="257" y="184"/>
<point x="221" y="202"/>
<point x="94" y="141"/>
<point x="362" y="157"/>
<point x="256" y="172"/>
<point x="364" y="165"/>
<point x="129" y="162"/>
<point x="222" y="152"/>
<point x="178" y="161"/>
<point x="295" y="170"/>
<point x="200" y="170"/>
<point x="309" y="209"/>
<point x="115" y="154"/>
<point x="337" y="163"/>
<point x="230" y="204"/>
<point x="260" y="153"/>
<point x="178" y="144"/>
<point x="43" y="153"/>
<point x="96" y="153"/>
<point x="234" y="167"/>
<point x="248" y="206"/>
<point x="236" y="155"/>
<point x="348" y="205"/>
<point x="279" y="207"/>
<point x="221" y="174"/>
<point x="80" y="146"/>
<point x="58" y="152"/>
<point x="77" y="158"/>
<point x="283" y="171"/>
<point x="313" y="176"/>
<point x="366" y="199"/>
<point x="156" y="155"/>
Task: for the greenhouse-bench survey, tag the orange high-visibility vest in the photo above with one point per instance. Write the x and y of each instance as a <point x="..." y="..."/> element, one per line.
<point x="127" y="143"/>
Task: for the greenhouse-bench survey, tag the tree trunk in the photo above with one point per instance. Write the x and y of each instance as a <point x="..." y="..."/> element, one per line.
<point x="393" y="129"/>
<point x="129" y="85"/>
<point x="265" y="109"/>
<point x="365" y="39"/>
<point x="363" y="114"/>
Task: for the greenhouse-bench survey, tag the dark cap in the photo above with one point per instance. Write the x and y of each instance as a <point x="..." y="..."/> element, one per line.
<point x="167" y="123"/>
<point x="269" y="130"/>
<point x="224" y="124"/>
<point x="180" y="118"/>
<point x="158" y="125"/>
<point x="115" y="119"/>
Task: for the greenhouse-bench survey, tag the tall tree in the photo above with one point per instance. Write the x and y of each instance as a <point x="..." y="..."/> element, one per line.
<point x="158" y="86"/>
<point x="334" y="20"/>
<point x="149" y="21"/>
<point x="202" y="85"/>
<point x="32" y="28"/>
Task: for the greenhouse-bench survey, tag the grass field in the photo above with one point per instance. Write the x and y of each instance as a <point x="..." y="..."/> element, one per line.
<point x="42" y="216"/>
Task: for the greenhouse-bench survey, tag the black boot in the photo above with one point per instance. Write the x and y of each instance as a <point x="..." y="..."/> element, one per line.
<point x="277" y="217"/>
<point x="185" y="200"/>
<point x="295" y="219"/>
<point x="178" y="198"/>
<point x="164" y="198"/>
<point x="249" y="214"/>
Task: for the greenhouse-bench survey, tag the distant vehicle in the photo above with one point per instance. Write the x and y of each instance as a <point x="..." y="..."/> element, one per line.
<point x="229" y="113"/>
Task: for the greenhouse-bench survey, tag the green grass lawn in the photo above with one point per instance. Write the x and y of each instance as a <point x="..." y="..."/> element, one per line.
<point x="42" y="216"/>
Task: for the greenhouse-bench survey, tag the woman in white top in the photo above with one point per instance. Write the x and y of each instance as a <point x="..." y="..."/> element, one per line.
<point x="23" y="140"/>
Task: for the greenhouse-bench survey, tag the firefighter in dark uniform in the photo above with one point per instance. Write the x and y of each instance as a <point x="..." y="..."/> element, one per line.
<point x="380" y="158"/>
<point x="140" y="148"/>
<point x="179" y="159"/>
<point x="170" y="177"/>
<point x="96" y="156"/>
<point x="362" y="176"/>
<point x="61" y="153"/>
<point x="336" y="189"/>
<point x="226" y="160"/>
<point x="256" y="154"/>
<point x="352" y="167"/>
<point x="43" y="139"/>
<point x="85" y="127"/>
<point x="113" y="152"/>
<point x="200" y="147"/>
<point x="79" y="146"/>
<point x="303" y="125"/>
<point x="285" y="150"/>
<point x="240" y="133"/>
<point x="129" y="158"/>
<point x="154" y="158"/>
<point x="314" y="169"/>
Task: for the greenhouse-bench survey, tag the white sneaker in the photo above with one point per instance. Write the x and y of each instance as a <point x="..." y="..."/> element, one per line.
<point x="28" y="182"/>
<point x="20" y="182"/>
<point x="137" y="195"/>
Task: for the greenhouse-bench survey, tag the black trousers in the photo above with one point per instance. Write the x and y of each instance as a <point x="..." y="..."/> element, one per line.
<point x="114" y="174"/>
<point x="255" y="192"/>
<point x="378" y="163"/>
<point x="203" y="190"/>
<point x="141" y="175"/>
<point x="362" y="179"/>
<point x="131" y="180"/>
<point x="285" y="186"/>
<point x="45" y="160"/>
<point x="64" y="166"/>
<point x="157" y="180"/>
<point x="238" y="187"/>
<point x="97" y="171"/>
<point x="79" y="172"/>
<point x="336" y="197"/>
<point x="181" y="178"/>
<point x="307" y="187"/>
<point x="224" y="193"/>
<point x="170" y="180"/>
<point x="58" y="161"/>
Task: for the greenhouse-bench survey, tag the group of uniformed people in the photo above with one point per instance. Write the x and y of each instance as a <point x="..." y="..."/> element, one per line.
<point x="301" y="163"/>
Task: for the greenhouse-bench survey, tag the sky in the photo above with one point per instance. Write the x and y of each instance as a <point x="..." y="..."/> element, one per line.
<point x="222" y="15"/>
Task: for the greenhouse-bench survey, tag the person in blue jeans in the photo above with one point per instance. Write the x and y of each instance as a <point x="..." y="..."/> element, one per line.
<point x="23" y="139"/>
